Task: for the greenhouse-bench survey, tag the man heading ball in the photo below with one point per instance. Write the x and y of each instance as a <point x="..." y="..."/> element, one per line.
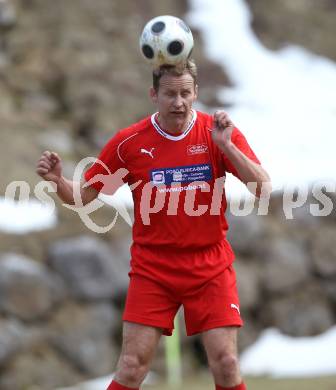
<point x="181" y="256"/>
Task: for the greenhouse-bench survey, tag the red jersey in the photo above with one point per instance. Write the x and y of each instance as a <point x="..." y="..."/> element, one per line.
<point x="179" y="198"/>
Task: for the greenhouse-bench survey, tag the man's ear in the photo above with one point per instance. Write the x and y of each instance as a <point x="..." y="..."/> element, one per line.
<point x="153" y="95"/>
<point x="196" y="92"/>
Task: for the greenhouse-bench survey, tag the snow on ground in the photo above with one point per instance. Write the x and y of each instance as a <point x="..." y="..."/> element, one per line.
<point x="284" y="101"/>
<point x="279" y="355"/>
<point x="21" y="217"/>
<point x="25" y="216"/>
<point x="121" y="201"/>
<point x="95" y="384"/>
<point x="121" y="198"/>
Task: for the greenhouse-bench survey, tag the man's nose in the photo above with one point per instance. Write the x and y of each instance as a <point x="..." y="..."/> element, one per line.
<point x="178" y="102"/>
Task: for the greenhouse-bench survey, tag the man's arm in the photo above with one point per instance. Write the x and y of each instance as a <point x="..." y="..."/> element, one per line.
<point x="248" y="170"/>
<point x="49" y="167"/>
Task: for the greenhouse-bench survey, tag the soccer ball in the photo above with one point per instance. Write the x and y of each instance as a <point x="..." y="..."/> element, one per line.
<point x="166" y="40"/>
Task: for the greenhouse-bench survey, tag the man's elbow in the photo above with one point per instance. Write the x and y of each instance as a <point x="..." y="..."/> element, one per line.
<point x="88" y="194"/>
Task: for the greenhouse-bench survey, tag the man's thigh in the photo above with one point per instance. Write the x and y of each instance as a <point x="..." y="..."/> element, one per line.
<point x="139" y="340"/>
<point x="220" y="341"/>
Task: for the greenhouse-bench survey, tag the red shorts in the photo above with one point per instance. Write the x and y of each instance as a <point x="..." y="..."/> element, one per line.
<point x="207" y="305"/>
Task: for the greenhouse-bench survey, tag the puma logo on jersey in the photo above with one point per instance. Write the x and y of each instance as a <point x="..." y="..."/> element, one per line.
<point x="149" y="152"/>
<point x="233" y="306"/>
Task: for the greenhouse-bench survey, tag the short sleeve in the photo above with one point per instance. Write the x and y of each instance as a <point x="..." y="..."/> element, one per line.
<point x="240" y="141"/>
<point x="109" y="171"/>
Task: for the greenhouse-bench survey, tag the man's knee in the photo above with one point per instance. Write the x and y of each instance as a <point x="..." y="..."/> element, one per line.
<point x="131" y="368"/>
<point x="226" y="363"/>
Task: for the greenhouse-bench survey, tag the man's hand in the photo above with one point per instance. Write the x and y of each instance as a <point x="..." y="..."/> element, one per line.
<point x="223" y="128"/>
<point x="49" y="167"/>
<point x="248" y="170"/>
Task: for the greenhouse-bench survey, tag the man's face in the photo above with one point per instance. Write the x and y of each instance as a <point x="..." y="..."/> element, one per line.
<point x="174" y="98"/>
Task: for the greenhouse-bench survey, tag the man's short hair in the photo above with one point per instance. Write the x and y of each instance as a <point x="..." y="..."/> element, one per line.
<point x="174" y="70"/>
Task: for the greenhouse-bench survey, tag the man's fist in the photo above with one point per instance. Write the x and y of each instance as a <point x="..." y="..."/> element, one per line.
<point x="49" y="166"/>
<point x="223" y="128"/>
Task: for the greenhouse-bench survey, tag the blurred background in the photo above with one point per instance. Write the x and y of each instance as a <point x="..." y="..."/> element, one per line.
<point x="71" y="75"/>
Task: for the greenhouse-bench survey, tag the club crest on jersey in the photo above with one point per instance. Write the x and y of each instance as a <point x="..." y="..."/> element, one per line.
<point x="197" y="149"/>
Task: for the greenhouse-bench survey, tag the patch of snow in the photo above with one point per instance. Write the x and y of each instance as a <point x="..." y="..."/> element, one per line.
<point x="26" y="216"/>
<point x="278" y="355"/>
<point x="283" y="101"/>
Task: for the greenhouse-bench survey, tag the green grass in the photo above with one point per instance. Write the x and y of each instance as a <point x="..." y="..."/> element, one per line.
<point x="204" y="382"/>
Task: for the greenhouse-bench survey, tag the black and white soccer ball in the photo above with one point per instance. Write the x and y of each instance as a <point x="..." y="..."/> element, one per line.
<point x="166" y="40"/>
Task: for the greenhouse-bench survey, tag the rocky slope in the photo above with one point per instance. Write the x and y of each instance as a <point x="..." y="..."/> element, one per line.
<point x="70" y="75"/>
<point x="306" y="23"/>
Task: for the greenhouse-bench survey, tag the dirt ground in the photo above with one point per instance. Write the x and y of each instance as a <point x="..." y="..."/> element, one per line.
<point x="204" y="382"/>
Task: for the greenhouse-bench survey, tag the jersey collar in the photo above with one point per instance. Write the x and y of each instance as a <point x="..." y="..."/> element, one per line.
<point x="170" y="136"/>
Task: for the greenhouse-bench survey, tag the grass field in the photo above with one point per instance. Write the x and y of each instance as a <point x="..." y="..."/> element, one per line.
<point x="204" y="383"/>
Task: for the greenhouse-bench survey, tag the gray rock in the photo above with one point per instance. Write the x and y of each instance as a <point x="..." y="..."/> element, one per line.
<point x="17" y="338"/>
<point x="8" y="16"/>
<point x="56" y="139"/>
<point x="306" y="312"/>
<point x="84" y="334"/>
<point x="7" y="106"/>
<point x="90" y="267"/>
<point x="248" y="282"/>
<point x="329" y="287"/>
<point x="288" y="264"/>
<point x="11" y="339"/>
<point x="249" y="333"/>
<point x="245" y="232"/>
<point x="39" y="368"/>
<point x="324" y="251"/>
<point x="44" y="105"/>
<point x="28" y="290"/>
<point x="302" y="216"/>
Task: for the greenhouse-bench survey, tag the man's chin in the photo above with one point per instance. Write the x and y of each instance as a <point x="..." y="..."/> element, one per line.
<point x="179" y="118"/>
